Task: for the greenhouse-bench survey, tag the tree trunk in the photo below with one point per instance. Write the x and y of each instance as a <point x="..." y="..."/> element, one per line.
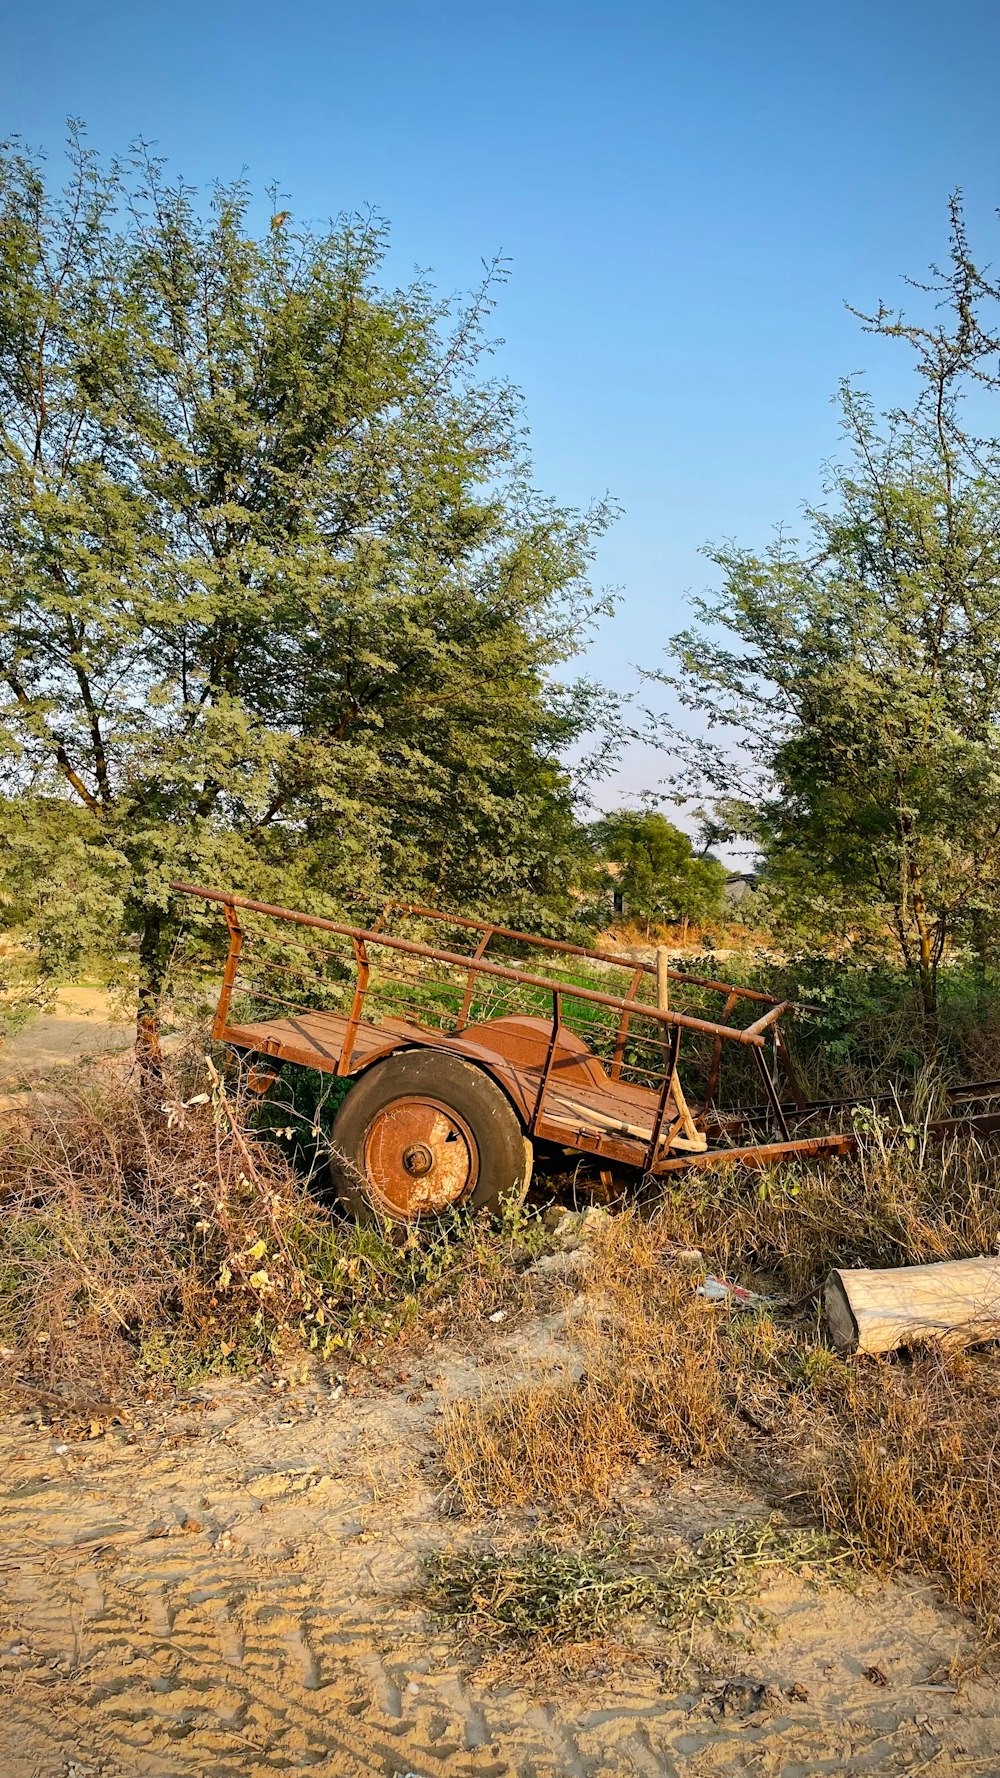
<point x="980" y="956"/>
<point x="928" y="1001"/>
<point x="926" y="970"/>
<point x="152" y="971"/>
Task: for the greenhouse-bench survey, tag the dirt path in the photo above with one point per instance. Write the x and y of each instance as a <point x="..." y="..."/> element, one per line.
<point x="224" y="1590"/>
<point x="82" y="1024"/>
<point x="85" y="1027"/>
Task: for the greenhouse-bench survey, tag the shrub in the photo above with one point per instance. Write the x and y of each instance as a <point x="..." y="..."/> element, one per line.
<point x="162" y="1237"/>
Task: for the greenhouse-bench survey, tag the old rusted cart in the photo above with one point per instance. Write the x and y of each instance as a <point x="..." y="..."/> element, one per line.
<point x="462" y="1061"/>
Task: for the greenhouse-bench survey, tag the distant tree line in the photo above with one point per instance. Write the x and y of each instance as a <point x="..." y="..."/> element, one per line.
<point x="657" y="873"/>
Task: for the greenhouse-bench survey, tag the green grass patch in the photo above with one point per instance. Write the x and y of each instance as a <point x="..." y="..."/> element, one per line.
<point x="548" y="1593"/>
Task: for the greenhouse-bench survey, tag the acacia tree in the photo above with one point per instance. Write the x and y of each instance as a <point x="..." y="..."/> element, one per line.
<point x="862" y="671"/>
<point x="279" y="605"/>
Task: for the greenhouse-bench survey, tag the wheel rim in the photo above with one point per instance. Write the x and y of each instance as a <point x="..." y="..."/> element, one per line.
<point x="420" y="1158"/>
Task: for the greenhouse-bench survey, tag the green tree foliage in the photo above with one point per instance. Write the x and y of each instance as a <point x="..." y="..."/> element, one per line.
<point x="861" y="668"/>
<point x="659" y="874"/>
<point x="279" y="605"/>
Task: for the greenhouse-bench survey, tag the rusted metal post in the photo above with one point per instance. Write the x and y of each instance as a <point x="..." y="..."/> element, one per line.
<point x="463" y="1011"/>
<point x="354" y="1019"/>
<point x="671" y="1049"/>
<point x="232" y="967"/>
<point x="783" y="1057"/>
<point x="549" y="1058"/>
<point x="716" y="1062"/>
<point x="770" y="1018"/>
<point x="618" y="1056"/>
<point x="663" y="994"/>
<point x="662" y="978"/>
<point x="772" y="1094"/>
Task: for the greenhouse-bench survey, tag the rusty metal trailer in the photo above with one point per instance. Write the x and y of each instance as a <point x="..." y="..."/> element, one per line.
<point x="462" y="1061"/>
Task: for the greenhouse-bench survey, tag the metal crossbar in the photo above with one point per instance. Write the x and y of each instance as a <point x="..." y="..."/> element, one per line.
<point x="662" y="1015"/>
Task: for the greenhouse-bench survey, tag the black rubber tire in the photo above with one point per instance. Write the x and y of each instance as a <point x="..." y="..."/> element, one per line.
<point x="504" y="1153"/>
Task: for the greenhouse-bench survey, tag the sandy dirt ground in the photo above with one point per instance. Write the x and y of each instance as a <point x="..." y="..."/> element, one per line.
<point x="225" y="1587"/>
<point x="82" y="1024"/>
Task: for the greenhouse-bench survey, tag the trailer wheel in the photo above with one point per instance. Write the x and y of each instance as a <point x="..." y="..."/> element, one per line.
<point x="422" y="1133"/>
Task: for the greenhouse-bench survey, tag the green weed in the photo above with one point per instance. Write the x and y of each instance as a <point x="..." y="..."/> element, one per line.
<point x="546" y="1592"/>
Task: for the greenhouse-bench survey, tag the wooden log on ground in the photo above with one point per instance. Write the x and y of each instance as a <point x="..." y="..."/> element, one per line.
<point x="956" y="1302"/>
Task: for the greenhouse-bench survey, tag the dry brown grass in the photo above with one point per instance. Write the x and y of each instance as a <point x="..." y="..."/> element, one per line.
<point x="665" y="1375"/>
<point x="139" y="1233"/>
<point x="904" y="1200"/>
<point x="723" y="934"/>
<point x="909" y="1470"/>
<point x="153" y="1239"/>
<point x="558" y="1442"/>
<point x="901" y="1456"/>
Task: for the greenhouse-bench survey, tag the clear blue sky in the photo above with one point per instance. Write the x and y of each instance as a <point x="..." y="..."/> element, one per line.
<point x="687" y="194"/>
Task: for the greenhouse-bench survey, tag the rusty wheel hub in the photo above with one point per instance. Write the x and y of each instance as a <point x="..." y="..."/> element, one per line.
<point x="420" y="1158"/>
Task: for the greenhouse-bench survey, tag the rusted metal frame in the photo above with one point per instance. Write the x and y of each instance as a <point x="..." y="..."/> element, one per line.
<point x="769" y="1018"/>
<point x="470" y="989"/>
<point x="772" y="1094"/>
<point x="651" y="1079"/>
<point x="618" y="1054"/>
<point x="265" y="993"/>
<point x="549" y="1058"/>
<point x="259" y="1078"/>
<point x="716" y="1063"/>
<point x="751" y="1114"/>
<point x="985" y="1123"/>
<point x="236" y="938"/>
<point x="274" y="967"/>
<point x="670" y="1069"/>
<point x="761" y="1154"/>
<point x="296" y="1007"/>
<point x="974" y="1089"/>
<point x="986" y="1089"/>
<point x="809" y="1108"/>
<point x="354" y="1018"/>
<point x="783" y="1055"/>
<point x="269" y="998"/>
<point x="593" y="1022"/>
<point x="986" y="1126"/>
<point x="685" y="1021"/>
<point x="571" y="950"/>
<point x="626" y="1151"/>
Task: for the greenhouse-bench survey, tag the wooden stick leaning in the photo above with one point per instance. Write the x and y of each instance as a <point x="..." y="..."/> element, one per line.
<point x="696" y="1140"/>
<point x="587" y="1115"/>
